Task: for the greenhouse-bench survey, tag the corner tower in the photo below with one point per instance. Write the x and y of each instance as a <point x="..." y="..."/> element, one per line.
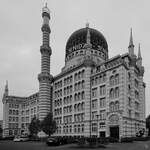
<point x="44" y="77"/>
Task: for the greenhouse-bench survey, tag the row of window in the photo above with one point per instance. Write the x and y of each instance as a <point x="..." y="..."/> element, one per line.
<point x="79" y="117"/>
<point x="13" y="112"/>
<point x="114" y="106"/>
<point x="13" y="119"/>
<point x="114" y="93"/>
<point x="95" y="126"/>
<point x="102" y="91"/>
<point x="67" y="119"/>
<point x="58" y="120"/>
<point x="79" y="75"/>
<point x="25" y="119"/>
<point x="78" y="128"/>
<point x="27" y="112"/>
<point x="68" y="100"/>
<point x="13" y="105"/>
<point x="100" y="116"/>
<point x="98" y="79"/>
<point x="13" y="125"/>
<point x="58" y="84"/>
<point x="67" y="109"/>
<point x="114" y="80"/>
<point x="79" y="96"/>
<point x="79" y="86"/>
<point x="79" y="107"/>
<point x="68" y="80"/>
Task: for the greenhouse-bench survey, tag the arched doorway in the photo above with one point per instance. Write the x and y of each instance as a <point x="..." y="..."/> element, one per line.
<point x="114" y="126"/>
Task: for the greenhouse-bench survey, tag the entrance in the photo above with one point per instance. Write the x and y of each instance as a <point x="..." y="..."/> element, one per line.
<point x="102" y="134"/>
<point x="114" y="132"/>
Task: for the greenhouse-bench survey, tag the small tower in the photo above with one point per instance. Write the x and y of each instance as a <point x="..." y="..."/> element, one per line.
<point x="6" y="92"/>
<point x="44" y="77"/>
<point x="131" y="45"/>
<point x="139" y="59"/>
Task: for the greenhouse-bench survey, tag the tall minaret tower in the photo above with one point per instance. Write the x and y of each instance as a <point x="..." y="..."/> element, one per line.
<point x="44" y="77"/>
<point x="131" y="45"/>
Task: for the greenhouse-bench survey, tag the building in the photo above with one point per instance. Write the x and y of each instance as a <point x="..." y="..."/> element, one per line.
<point x="93" y="95"/>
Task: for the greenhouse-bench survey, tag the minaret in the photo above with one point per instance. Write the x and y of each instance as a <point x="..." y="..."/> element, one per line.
<point x="44" y="77"/>
<point x="139" y="59"/>
<point x="131" y="45"/>
<point x="6" y="92"/>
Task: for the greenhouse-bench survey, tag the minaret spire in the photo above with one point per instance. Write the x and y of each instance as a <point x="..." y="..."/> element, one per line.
<point x="131" y="38"/>
<point x="45" y="78"/>
<point x="139" y="52"/>
<point x="6" y="88"/>
<point x="131" y="45"/>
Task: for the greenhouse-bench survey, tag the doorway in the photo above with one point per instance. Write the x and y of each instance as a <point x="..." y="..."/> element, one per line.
<point x="114" y="132"/>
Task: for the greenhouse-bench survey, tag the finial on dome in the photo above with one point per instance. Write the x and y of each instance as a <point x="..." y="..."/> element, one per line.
<point x="46" y="9"/>
<point x="46" y="4"/>
<point x="87" y="24"/>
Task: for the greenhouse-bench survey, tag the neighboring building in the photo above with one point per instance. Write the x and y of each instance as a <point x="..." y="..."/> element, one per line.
<point x="93" y="95"/>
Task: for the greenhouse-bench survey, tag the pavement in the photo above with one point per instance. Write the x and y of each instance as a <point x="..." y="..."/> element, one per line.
<point x="10" y="145"/>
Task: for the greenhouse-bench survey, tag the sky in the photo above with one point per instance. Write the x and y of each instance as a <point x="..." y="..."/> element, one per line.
<point x="21" y="36"/>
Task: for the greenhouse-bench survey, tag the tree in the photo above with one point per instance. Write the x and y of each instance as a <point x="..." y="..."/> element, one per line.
<point x="35" y="126"/>
<point x="48" y="125"/>
<point x="148" y="124"/>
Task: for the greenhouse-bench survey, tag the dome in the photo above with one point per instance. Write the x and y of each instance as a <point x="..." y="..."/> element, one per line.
<point x="78" y="39"/>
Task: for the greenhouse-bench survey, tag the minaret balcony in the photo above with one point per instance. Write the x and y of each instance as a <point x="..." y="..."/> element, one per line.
<point x="45" y="27"/>
<point x="46" y="49"/>
<point x="45" y="77"/>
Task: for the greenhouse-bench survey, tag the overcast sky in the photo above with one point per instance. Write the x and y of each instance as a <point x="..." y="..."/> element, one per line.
<point x="21" y="37"/>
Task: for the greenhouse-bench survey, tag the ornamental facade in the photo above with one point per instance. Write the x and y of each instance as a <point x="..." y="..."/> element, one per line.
<point x="93" y="95"/>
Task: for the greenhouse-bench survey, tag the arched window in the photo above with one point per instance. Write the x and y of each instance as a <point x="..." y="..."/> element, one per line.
<point x="110" y="80"/>
<point x="76" y="97"/>
<point x="111" y="94"/>
<point x="117" y="79"/>
<point x="83" y="86"/>
<point x="116" y="92"/>
<point x="111" y="107"/>
<point x="82" y="95"/>
<point x="116" y="105"/>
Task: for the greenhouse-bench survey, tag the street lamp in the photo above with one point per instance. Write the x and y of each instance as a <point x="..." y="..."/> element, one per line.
<point x="97" y="116"/>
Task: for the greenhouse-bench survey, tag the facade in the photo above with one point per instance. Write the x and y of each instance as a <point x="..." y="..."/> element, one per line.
<point x="93" y="95"/>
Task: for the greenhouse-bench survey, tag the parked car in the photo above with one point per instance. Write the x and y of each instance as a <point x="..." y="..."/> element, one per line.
<point x="21" y="139"/>
<point x="53" y="141"/>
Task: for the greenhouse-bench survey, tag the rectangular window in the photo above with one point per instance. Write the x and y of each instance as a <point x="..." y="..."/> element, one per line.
<point x="102" y="115"/>
<point x="102" y="102"/>
<point x="94" y="104"/>
<point x="94" y="92"/>
<point x="102" y="90"/>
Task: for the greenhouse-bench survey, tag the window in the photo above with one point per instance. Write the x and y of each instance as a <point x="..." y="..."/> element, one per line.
<point x="94" y="92"/>
<point x="102" y="102"/>
<point x="94" y="127"/>
<point x="102" y="90"/>
<point x="102" y="114"/>
<point x="94" y="104"/>
<point x="94" y="115"/>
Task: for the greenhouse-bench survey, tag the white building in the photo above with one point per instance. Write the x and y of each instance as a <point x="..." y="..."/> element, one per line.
<point x="93" y="95"/>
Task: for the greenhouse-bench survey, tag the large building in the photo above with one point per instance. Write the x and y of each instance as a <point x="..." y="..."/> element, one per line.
<point x="93" y="95"/>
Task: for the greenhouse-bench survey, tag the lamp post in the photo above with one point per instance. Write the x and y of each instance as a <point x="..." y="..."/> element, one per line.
<point x="125" y="128"/>
<point x="97" y="116"/>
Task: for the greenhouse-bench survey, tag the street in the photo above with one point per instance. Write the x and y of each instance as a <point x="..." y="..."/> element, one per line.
<point x="10" y="145"/>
